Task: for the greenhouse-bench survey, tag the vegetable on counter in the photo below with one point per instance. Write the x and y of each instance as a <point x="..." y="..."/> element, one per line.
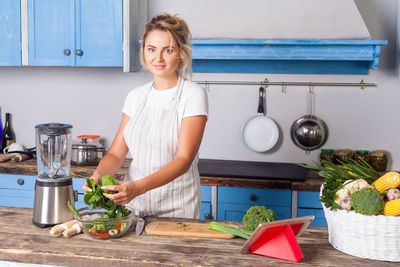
<point x="230" y="230"/>
<point x="101" y="227"/>
<point x="336" y="175"/>
<point x="257" y="215"/>
<point x="96" y="199"/>
<point x="392" y="208"/>
<point x="387" y="181"/>
<point x="367" y="201"/>
<point x="393" y="194"/>
<point x="349" y="187"/>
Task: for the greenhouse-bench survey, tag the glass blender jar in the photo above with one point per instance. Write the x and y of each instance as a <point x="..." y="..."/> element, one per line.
<point x="53" y="187"/>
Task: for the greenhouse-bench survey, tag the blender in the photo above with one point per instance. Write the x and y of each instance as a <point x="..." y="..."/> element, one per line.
<point x="53" y="187"/>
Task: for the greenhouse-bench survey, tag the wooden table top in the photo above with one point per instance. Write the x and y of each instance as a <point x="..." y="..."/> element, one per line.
<point x="21" y="241"/>
<point x="312" y="183"/>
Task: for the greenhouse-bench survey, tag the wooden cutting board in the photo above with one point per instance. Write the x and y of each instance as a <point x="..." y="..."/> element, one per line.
<point x="184" y="229"/>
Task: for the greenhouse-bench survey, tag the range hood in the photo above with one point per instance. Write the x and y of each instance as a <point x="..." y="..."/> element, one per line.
<point x="286" y="56"/>
<point x="277" y="36"/>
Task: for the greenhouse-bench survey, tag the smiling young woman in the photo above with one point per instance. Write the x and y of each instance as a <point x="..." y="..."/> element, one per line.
<point x="162" y="57"/>
<point x="162" y="126"/>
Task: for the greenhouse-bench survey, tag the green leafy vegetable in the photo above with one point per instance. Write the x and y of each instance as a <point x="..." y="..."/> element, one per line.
<point x="108" y="180"/>
<point x="256" y="215"/>
<point x="336" y="175"/>
<point x="72" y="208"/>
<point x="367" y="201"/>
<point x="230" y="230"/>
<point x="96" y="199"/>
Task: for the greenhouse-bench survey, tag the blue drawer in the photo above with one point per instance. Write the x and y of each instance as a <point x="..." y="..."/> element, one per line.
<point x="235" y="212"/>
<point x="17" y="198"/>
<point x="308" y="199"/>
<point x="254" y="196"/>
<point x="319" y="215"/>
<point x="17" y="181"/>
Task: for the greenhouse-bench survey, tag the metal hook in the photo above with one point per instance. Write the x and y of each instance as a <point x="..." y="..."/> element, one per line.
<point x="265" y="83"/>
<point x="284" y="87"/>
<point x="362" y="84"/>
<point x="207" y="86"/>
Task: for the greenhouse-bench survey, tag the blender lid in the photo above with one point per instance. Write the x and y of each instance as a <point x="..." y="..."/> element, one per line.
<point x="54" y="128"/>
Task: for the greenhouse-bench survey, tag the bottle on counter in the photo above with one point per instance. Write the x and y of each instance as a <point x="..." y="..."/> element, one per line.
<point x="362" y="154"/>
<point x="379" y="159"/>
<point x="8" y="136"/>
<point x="328" y="155"/>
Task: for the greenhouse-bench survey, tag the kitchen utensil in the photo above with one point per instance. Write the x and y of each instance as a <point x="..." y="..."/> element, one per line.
<point x="86" y="153"/>
<point x="140" y="224"/>
<point x="260" y="133"/>
<point x="187" y="229"/>
<point x="309" y="132"/>
<point x="53" y="187"/>
<point x="99" y="228"/>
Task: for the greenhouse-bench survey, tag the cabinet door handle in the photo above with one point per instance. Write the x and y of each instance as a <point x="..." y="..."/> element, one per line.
<point x="75" y="195"/>
<point x="67" y="52"/>
<point x="207" y="216"/>
<point x="253" y="197"/>
<point x="79" y="52"/>
<point x="20" y="181"/>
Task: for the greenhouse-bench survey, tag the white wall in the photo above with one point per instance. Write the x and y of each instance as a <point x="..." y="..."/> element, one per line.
<point x="91" y="100"/>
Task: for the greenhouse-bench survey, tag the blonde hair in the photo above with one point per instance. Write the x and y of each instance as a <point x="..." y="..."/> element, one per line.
<point x="179" y="30"/>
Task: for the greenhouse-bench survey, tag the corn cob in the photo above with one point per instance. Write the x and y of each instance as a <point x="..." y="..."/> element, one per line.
<point x="387" y="181"/>
<point x="392" y="208"/>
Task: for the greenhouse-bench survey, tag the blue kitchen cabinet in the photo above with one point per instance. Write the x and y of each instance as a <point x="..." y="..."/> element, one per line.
<point x="205" y="211"/>
<point x="308" y="204"/>
<point x="17" y="190"/>
<point x="10" y="33"/>
<point x="75" y="33"/>
<point x="233" y="202"/>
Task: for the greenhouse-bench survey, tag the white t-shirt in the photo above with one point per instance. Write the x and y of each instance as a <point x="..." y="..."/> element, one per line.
<point x="193" y="100"/>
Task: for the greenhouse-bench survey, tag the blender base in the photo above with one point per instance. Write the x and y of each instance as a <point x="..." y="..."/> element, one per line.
<point x="51" y="198"/>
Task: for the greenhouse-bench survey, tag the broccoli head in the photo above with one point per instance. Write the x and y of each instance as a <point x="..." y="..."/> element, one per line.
<point x="367" y="201"/>
<point x="256" y="215"/>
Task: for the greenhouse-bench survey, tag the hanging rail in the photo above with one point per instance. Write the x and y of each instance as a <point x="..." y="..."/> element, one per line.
<point x="267" y="83"/>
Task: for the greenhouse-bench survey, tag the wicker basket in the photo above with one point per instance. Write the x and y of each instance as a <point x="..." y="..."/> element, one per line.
<point x="372" y="237"/>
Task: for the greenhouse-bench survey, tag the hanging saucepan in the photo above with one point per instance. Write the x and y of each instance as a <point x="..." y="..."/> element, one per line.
<point x="309" y="132"/>
<point x="260" y="132"/>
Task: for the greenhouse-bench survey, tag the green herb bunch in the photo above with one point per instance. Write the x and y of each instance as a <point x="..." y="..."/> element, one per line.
<point x="335" y="175"/>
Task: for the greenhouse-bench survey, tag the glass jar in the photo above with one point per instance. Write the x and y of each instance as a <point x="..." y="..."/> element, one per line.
<point x="343" y="155"/>
<point x="328" y="155"/>
<point x="362" y="154"/>
<point x="379" y="159"/>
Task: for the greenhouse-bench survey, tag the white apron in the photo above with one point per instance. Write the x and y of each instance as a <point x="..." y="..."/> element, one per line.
<point x="152" y="138"/>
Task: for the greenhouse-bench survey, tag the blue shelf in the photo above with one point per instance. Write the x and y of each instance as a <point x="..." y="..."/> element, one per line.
<point x="286" y="56"/>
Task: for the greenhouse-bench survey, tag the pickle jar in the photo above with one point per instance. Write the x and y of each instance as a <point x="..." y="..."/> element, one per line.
<point x="379" y="159"/>
<point x="362" y="154"/>
<point x="328" y="155"/>
<point x="343" y="155"/>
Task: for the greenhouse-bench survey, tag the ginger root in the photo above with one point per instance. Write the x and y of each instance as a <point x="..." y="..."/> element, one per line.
<point x="67" y="229"/>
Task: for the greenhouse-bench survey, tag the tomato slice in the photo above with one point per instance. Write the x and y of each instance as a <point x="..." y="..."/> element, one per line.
<point x="106" y="234"/>
<point x="118" y="227"/>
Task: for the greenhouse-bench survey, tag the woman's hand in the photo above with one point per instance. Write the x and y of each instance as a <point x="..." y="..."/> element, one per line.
<point x="96" y="178"/>
<point x="126" y="191"/>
